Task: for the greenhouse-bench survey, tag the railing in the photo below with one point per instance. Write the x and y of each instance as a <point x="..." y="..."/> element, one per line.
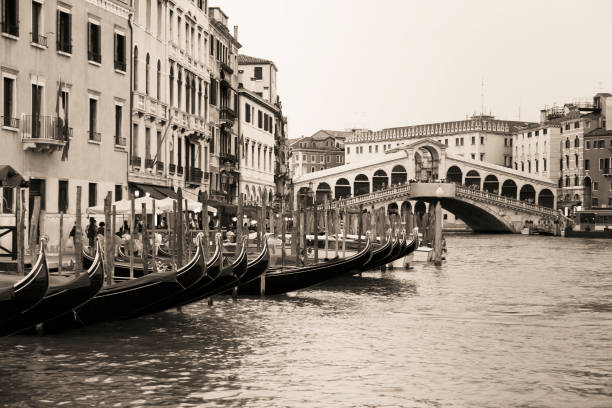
<point x="179" y="170"/>
<point x="227" y="113"/>
<point x="172" y="168"/>
<point x="120" y="141"/>
<point x="207" y="175"/>
<point x="64" y="46"/>
<point x="38" y="39"/>
<point x="160" y="166"/>
<point x="148" y="163"/>
<point x="120" y="65"/>
<point x="371" y="197"/>
<point x="226" y="67"/>
<point x="136" y="161"/>
<point x="523" y="205"/>
<point x="228" y="157"/>
<point x="10" y="28"/>
<point x="10" y="122"/>
<point x="94" y="56"/>
<point x="95" y="136"/>
<point x="194" y="175"/>
<point x="43" y="128"/>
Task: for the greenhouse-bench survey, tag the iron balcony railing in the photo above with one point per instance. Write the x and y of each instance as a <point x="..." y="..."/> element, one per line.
<point x="120" y="141"/>
<point x="10" y="122"/>
<point x="228" y="157"/>
<point x="136" y="161"/>
<point x="10" y="28"/>
<point x="172" y="168"/>
<point x="95" y="136"/>
<point x="179" y="170"/>
<point x="148" y="163"/>
<point x="225" y="67"/>
<point x="194" y="175"/>
<point x="43" y="127"/>
<point x="160" y="166"/>
<point x="38" y="39"/>
<point x="120" y="65"/>
<point x="227" y="113"/>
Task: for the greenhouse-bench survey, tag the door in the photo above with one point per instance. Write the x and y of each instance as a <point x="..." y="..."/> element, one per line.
<point x="36" y="108"/>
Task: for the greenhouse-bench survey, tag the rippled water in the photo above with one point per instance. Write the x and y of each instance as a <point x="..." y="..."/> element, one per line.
<point x="508" y="321"/>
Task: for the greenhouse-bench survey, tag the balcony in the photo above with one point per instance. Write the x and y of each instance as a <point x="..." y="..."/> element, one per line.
<point x="225" y="67"/>
<point x="179" y="170"/>
<point x="194" y="176"/>
<point x="228" y="114"/>
<point x="120" y="65"/>
<point x="160" y="167"/>
<point x="136" y="161"/>
<point x="148" y="163"/>
<point x="172" y="168"/>
<point x="38" y="39"/>
<point x="207" y="175"/>
<point x="94" y="56"/>
<point x="217" y="195"/>
<point x="43" y="133"/>
<point x="10" y="122"/>
<point x="606" y="172"/>
<point x="10" y="28"/>
<point x="228" y="158"/>
<point x="120" y="141"/>
<point x="94" y="136"/>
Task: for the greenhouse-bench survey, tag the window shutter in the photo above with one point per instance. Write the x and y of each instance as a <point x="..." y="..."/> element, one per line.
<point x="59" y="33"/>
<point x="116" y="48"/>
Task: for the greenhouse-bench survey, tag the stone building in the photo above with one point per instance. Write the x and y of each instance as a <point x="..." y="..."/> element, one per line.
<point x="323" y="150"/>
<point x="597" y="181"/>
<point x="65" y="104"/>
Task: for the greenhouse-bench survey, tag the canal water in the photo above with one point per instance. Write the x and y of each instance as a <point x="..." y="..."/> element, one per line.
<point x="507" y="321"/>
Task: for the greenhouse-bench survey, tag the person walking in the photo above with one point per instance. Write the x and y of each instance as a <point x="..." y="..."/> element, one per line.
<point x="91" y="231"/>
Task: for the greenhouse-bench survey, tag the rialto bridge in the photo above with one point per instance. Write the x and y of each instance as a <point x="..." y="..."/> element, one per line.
<point x="487" y="197"/>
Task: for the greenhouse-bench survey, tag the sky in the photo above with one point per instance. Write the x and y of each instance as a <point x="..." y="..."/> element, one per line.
<point x="356" y="64"/>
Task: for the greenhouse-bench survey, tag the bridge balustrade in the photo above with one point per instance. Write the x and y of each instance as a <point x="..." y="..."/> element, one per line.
<point x="466" y="191"/>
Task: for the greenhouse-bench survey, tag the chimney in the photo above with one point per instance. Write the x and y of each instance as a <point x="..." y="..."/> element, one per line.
<point x="543" y="116"/>
<point x="236" y="32"/>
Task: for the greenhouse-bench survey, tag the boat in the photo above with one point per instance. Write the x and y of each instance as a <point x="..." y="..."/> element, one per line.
<point x="27" y="292"/>
<point x="379" y="255"/>
<point x="257" y="266"/>
<point x="130" y="298"/>
<point x="291" y="279"/>
<point x="403" y="260"/>
<point x="60" y="298"/>
<point x="228" y="278"/>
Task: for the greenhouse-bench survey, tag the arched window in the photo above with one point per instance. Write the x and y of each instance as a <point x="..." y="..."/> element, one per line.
<point x="148" y="61"/>
<point x="567" y="181"/>
<point x="135" y="64"/>
<point x="158" y="80"/>
<point x="179" y="88"/>
<point x="537" y="167"/>
<point x="529" y="166"/>
<point x="576" y="180"/>
<point x="193" y="95"/>
<point x="576" y="158"/>
<point x="187" y="93"/>
<point x="199" y="97"/>
<point x="576" y="142"/>
<point x="567" y="143"/>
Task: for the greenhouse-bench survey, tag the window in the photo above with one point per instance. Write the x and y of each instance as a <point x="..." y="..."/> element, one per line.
<point x="148" y="13"/>
<point x="537" y="166"/>
<point x="567" y="161"/>
<point x="118" y="117"/>
<point x="258" y="73"/>
<point x="158" y="83"/>
<point x="135" y="140"/>
<point x="522" y="166"/>
<point x="10" y="17"/>
<point x="481" y="156"/>
<point x="213" y="91"/>
<point x="595" y="186"/>
<point x="588" y="144"/>
<point x="567" y="126"/>
<point x="473" y="140"/>
<point x="322" y="159"/>
<point x="135" y="68"/>
<point x="544" y="164"/>
<point x="567" y="143"/>
<point x="212" y="45"/>
<point x="576" y="181"/>
<point x="93" y="118"/>
<point x="446" y="142"/>
<point x="247" y="113"/>
<point x="529" y="134"/>
<point x="376" y="148"/>
<point x="62" y="196"/>
<point x="595" y="202"/>
<point x="576" y="160"/>
<point x="544" y="131"/>
<point x="266" y="122"/>
<point x="457" y="142"/>
<point x="37" y="100"/>
<point x="118" y="192"/>
<point x="576" y="125"/>
<point x="473" y="156"/>
<point x="7" y="200"/>
<point x="370" y="148"/>
<point x="259" y="119"/>
<point x="348" y="150"/>
<point x="505" y="142"/>
<point x="576" y="141"/>
<point x="147" y="145"/>
<point x="64" y="30"/>
<point x="537" y="133"/>
<point x="147" y="71"/>
<point x="93" y="40"/>
<point x="119" y="58"/>
<point x="37" y="189"/>
<point x="92" y="199"/>
<point x="529" y="166"/>
<point x="8" y="98"/>
<point x="37" y="37"/>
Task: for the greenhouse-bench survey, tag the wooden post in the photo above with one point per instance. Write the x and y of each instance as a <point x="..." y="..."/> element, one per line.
<point x="34" y="229"/>
<point x="258" y="221"/>
<point x="239" y="220"/>
<point x="153" y="232"/>
<point x="326" y="223"/>
<point x="113" y="232"/>
<point x="205" y="223"/>
<point x="315" y="230"/>
<point x="360" y="226"/>
<point x="337" y="228"/>
<point x="132" y="233"/>
<point x="437" y="246"/>
<point x="19" y="230"/>
<point x="296" y="235"/>
<point x="78" y="236"/>
<point x="60" y="254"/>
<point x="344" y="229"/>
<point x="305" y="226"/>
<point x="106" y="243"/>
<point x="283" y="232"/>
<point x="188" y="239"/>
<point x="180" y="239"/>
<point x="145" y="240"/>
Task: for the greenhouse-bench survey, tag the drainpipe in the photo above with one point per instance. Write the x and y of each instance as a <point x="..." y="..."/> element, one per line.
<point x="130" y="70"/>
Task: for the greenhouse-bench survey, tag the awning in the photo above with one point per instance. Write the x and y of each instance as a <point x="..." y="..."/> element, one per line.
<point x="167" y="192"/>
<point x="9" y="177"/>
<point x="149" y="190"/>
<point x="167" y="204"/>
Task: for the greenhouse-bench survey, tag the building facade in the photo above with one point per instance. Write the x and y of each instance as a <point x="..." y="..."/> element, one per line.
<point x="322" y="150"/>
<point x="481" y="137"/>
<point x="66" y="105"/>
<point x="597" y="179"/>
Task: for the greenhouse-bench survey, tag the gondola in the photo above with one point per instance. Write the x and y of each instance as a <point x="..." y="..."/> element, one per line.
<point x="60" y="298"/>
<point x="28" y="291"/>
<point x="227" y="279"/>
<point x="257" y="266"/>
<point x="130" y="298"/>
<point x="213" y="269"/>
<point x="288" y="280"/>
<point x="122" y="267"/>
<point x="380" y="255"/>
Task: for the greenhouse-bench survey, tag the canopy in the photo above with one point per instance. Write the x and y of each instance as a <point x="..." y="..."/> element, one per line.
<point x="167" y="204"/>
<point x="9" y="177"/>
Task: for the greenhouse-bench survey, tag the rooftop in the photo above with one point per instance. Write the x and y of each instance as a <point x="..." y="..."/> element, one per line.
<point x="248" y="60"/>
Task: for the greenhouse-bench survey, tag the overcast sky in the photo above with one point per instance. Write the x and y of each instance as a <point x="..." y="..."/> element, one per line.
<point x="386" y="63"/>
